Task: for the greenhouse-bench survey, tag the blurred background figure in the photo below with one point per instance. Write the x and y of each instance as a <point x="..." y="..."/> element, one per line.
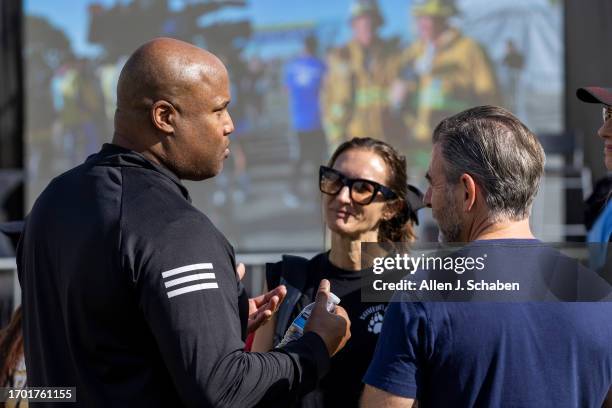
<point x="48" y="54"/>
<point x="355" y="94"/>
<point x="233" y="185"/>
<point x="513" y="62"/>
<point x="83" y="115"/>
<point x="442" y="72"/>
<point x="12" y="360"/>
<point x="303" y="79"/>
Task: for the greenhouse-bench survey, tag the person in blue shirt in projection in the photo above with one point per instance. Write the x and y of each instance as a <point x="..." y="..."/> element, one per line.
<point x="303" y="79"/>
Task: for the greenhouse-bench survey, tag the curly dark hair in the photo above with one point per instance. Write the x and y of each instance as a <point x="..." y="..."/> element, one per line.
<point x="11" y="347"/>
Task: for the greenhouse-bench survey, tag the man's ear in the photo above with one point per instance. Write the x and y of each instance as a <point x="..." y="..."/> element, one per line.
<point x="163" y="116"/>
<point x="470" y="190"/>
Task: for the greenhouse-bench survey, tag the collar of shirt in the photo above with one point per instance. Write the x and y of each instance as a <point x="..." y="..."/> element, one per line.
<point x="114" y="155"/>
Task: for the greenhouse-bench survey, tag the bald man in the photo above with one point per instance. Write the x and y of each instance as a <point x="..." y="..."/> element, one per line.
<point x="130" y="294"/>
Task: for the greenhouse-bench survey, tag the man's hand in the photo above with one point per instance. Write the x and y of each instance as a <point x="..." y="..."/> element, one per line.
<point x="334" y="328"/>
<point x="262" y="307"/>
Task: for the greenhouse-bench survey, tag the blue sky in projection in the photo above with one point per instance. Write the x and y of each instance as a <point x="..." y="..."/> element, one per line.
<point x="534" y="25"/>
<point x="71" y="15"/>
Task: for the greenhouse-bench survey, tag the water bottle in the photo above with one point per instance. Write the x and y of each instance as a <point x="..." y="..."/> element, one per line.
<point x="296" y="330"/>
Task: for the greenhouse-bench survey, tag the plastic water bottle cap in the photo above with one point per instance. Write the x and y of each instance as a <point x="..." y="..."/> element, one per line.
<point x="334" y="299"/>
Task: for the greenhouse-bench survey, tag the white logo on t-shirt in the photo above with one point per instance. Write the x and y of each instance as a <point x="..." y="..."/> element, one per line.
<point x="374" y="315"/>
<point x="375" y="324"/>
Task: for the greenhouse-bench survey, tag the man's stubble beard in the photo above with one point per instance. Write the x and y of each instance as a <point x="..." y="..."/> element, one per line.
<point x="449" y="223"/>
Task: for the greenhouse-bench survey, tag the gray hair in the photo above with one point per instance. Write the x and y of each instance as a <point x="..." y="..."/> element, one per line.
<point x="503" y="156"/>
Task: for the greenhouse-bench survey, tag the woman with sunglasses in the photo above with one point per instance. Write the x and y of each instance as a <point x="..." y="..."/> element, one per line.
<point x="365" y="199"/>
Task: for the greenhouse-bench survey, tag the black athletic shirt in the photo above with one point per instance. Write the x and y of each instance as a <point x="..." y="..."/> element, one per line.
<point x="342" y="386"/>
<point x="130" y="294"/>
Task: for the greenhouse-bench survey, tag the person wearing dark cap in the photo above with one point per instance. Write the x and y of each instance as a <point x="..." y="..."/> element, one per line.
<point x="601" y="96"/>
<point x="598" y="215"/>
<point x="365" y="198"/>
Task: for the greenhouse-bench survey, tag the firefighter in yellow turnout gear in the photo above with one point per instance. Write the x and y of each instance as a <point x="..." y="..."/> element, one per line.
<point x="355" y="93"/>
<point x="443" y="72"/>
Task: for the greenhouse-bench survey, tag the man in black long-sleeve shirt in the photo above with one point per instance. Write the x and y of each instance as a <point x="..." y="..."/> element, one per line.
<point x="130" y="294"/>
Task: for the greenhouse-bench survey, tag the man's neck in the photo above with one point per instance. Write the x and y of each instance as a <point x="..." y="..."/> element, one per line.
<point x="126" y="143"/>
<point x="122" y="141"/>
<point x="501" y="230"/>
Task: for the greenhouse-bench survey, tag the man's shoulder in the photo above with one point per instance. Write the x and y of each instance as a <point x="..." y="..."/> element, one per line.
<point x="463" y="43"/>
<point x="352" y="52"/>
<point x="509" y="246"/>
<point x="521" y="257"/>
<point x="154" y="206"/>
<point x="315" y="64"/>
<point x="68" y="178"/>
<point x="306" y="60"/>
<point x="78" y="188"/>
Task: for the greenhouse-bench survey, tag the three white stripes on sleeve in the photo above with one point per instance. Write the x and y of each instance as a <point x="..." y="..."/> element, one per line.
<point x="189" y="273"/>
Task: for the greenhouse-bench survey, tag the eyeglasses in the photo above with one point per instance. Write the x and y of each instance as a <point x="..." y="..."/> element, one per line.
<point x="361" y="191"/>
<point x="607" y="113"/>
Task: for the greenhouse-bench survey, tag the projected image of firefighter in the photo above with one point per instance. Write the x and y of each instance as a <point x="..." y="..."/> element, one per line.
<point x="355" y="93"/>
<point x="442" y="72"/>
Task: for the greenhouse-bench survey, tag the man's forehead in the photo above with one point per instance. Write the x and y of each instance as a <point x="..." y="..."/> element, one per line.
<point x="435" y="159"/>
<point x="214" y="84"/>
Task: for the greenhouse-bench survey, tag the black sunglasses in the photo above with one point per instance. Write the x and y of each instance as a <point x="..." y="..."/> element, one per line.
<point x="361" y="191"/>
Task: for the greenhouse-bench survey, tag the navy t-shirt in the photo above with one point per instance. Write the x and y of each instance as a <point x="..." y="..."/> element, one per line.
<point x="486" y="354"/>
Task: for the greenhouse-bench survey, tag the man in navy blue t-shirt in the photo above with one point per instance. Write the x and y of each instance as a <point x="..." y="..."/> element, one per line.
<point x="484" y="174"/>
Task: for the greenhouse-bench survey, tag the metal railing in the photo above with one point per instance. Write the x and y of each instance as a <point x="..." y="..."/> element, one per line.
<point x="254" y="279"/>
<point x="8" y="271"/>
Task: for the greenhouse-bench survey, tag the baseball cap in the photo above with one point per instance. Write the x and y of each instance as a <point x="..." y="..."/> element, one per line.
<point x="435" y="8"/>
<point x="366" y="7"/>
<point x="595" y="94"/>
